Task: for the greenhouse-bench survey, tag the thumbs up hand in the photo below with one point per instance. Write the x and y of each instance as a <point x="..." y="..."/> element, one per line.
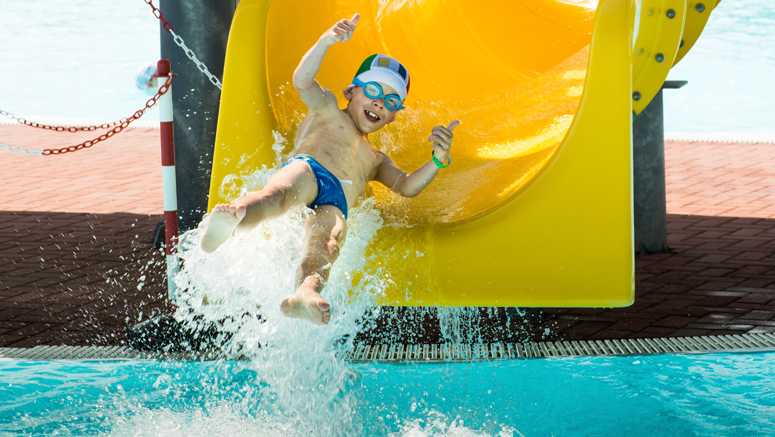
<point x="342" y="30"/>
<point x="441" y="139"/>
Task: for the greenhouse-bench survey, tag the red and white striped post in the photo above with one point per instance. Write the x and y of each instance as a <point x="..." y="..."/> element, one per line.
<point x="168" y="176"/>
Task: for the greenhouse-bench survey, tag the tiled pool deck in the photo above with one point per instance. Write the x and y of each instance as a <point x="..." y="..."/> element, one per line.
<point x="77" y="263"/>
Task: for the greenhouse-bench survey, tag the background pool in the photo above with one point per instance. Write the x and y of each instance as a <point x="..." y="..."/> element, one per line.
<point x="76" y="60"/>
<point x="709" y="394"/>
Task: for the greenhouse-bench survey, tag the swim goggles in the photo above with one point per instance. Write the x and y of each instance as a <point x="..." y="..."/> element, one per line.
<point x="373" y="90"/>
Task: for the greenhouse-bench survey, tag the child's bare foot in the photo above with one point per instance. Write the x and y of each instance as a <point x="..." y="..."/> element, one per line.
<point x="307" y="304"/>
<point x="223" y="220"/>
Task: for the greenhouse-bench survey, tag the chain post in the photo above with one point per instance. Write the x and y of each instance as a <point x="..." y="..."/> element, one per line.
<point x="169" y="183"/>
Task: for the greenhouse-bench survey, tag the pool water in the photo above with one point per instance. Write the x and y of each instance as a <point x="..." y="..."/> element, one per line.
<point x="708" y="394"/>
<point x="729" y="70"/>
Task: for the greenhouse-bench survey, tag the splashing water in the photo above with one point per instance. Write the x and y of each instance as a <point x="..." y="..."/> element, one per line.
<point x="303" y="384"/>
<point x="438" y="424"/>
<point x="240" y="287"/>
<point x="460" y="325"/>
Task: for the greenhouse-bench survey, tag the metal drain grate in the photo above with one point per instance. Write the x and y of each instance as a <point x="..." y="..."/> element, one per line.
<point x="500" y="351"/>
<point x="446" y="352"/>
<point x="90" y="353"/>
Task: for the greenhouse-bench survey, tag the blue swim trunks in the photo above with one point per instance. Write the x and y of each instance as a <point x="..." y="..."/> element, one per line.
<point x="330" y="190"/>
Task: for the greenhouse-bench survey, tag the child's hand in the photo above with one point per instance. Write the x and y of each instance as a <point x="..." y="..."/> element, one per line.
<point x="342" y="30"/>
<point x="441" y="138"/>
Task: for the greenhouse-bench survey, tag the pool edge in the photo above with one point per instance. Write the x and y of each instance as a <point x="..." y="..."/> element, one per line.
<point x="748" y="342"/>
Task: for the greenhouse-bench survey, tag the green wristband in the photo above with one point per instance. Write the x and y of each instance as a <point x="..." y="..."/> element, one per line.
<point x="438" y="163"/>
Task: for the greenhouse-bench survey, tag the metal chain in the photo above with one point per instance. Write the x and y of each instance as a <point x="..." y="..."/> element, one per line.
<point x="199" y="64"/>
<point x="182" y="44"/>
<point x="117" y="129"/>
<point x="157" y="13"/>
<point x="59" y="128"/>
<point x="119" y="125"/>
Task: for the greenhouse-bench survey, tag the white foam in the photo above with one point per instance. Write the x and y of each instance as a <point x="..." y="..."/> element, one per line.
<point x="436" y="424"/>
<point x="224" y="419"/>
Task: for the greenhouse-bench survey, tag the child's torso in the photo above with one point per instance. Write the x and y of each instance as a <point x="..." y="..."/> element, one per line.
<point x="334" y="142"/>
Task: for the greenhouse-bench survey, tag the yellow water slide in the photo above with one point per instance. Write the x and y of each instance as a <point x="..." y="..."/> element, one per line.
<point x="537" y="208"/>
<point x="666" y="30"/>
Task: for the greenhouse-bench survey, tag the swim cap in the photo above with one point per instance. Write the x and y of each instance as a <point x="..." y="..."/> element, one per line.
<point x="386" y="70"/>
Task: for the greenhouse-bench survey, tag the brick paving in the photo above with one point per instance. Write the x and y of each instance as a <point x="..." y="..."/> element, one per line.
<point x="77" y="264"/>
<point x="720" y="179"/>
<point x="719" y="279"/>
<point x="75" y="238"/>
<point x="122" y="174"/>
<point x="76" y="278"/>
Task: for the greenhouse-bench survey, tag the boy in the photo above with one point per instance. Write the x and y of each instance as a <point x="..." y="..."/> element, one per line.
<point x="333" y="163"/>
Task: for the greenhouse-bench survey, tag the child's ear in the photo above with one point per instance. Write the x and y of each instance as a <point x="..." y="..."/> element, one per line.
<point x="348" y="92"/>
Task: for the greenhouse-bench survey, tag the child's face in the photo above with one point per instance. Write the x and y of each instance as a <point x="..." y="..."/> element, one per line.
<point x="368" y="114"/>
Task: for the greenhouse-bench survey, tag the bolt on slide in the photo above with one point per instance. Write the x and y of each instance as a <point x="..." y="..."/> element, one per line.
<point x="537" y="209"/>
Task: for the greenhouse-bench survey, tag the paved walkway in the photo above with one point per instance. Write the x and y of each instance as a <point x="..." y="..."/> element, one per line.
<point x="75" y="238"/>
<point x="720" y="179"/>
<point x="77" y="264"/>
<point x="122" y="174"/>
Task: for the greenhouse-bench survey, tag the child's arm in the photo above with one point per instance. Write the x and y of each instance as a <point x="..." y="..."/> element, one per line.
<point x="407" y="185"/>
<point x="304" y="77"/>
<point x="410" y="185"/>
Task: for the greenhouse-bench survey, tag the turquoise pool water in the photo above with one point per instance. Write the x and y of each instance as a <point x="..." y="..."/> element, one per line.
<point x="682" y="395"/>
<point x="729" y="94"/>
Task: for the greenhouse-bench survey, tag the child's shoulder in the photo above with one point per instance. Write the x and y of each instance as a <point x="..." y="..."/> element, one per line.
<point x="328" y="103"/>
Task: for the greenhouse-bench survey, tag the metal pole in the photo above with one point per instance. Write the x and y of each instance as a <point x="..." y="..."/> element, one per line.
<point x="649" y="176"/>
<point x="204" y="24"/>
<point x="166" y="128"/>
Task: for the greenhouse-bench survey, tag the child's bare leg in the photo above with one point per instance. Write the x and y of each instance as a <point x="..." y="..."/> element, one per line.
<point x="292" y="185"/>
<point x="326" y="230"/>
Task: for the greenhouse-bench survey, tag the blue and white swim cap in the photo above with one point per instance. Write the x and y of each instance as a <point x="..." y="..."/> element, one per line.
<point x="386" y="70"/>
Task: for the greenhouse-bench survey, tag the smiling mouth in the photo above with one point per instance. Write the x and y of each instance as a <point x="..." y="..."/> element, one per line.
<point x="371" y="116"/>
